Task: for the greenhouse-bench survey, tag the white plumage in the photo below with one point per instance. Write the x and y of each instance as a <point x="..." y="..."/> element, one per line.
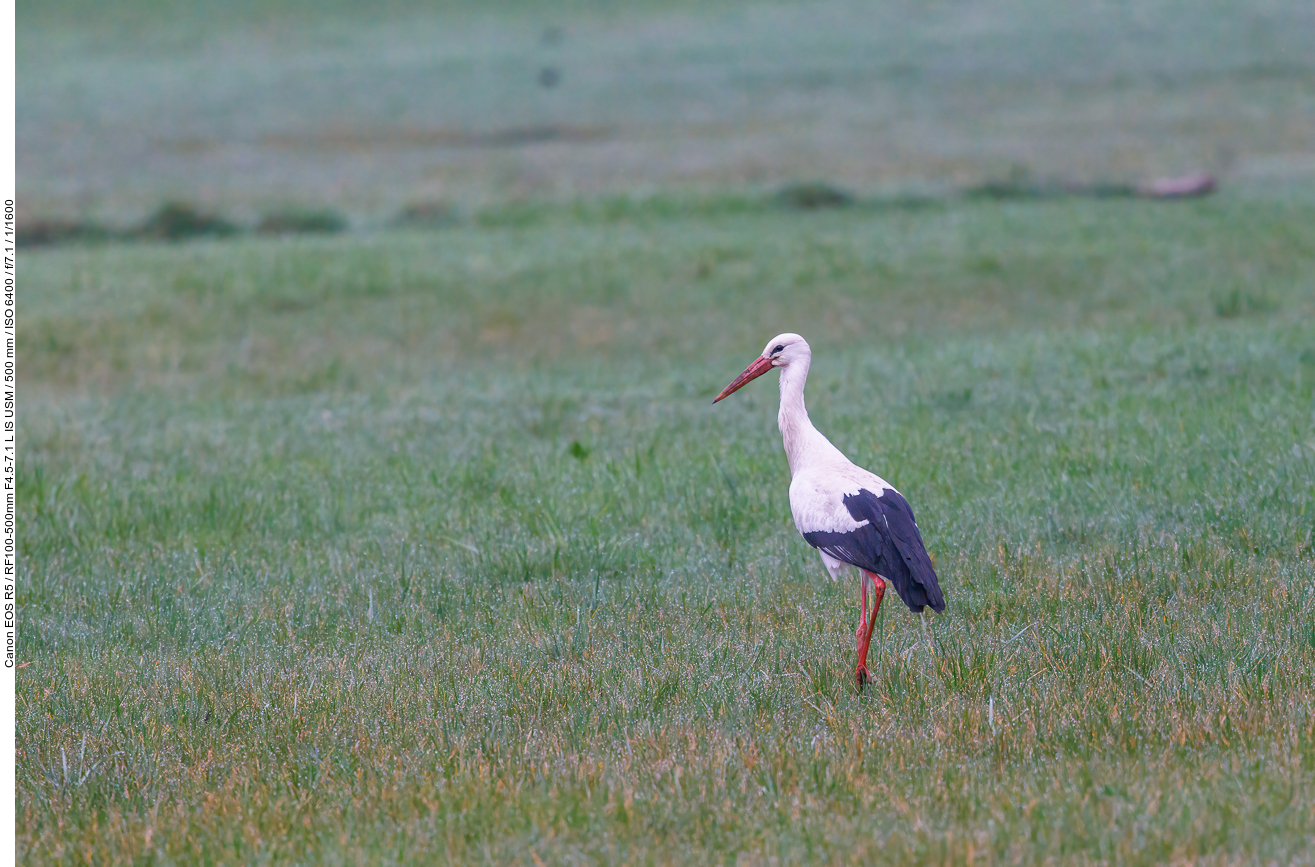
<point x="817" y="495"/>
<point x="853" y="517"/>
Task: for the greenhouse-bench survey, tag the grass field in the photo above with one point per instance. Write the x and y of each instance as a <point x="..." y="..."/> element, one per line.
<point x="429" y="546"/>
<point x="314" y="569"/>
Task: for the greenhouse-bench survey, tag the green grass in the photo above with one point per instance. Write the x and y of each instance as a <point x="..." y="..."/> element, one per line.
<point x="417" y="547"/>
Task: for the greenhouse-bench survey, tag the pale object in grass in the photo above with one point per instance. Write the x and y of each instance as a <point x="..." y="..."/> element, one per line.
<point x="1185" y="186"/>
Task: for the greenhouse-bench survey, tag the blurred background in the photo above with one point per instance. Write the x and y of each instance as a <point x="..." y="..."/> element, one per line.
<point x="435" y="110"/>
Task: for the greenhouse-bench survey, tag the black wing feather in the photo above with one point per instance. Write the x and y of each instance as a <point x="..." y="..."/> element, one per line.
<point x="889" y="544"/>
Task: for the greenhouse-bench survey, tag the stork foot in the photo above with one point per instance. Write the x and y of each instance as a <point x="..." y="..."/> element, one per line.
<point x="861" y="676"/>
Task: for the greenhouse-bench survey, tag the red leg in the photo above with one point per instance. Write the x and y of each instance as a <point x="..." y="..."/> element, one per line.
<point x="868" y="623"/>
<point x="861" y="674"/>
<point x="863" y="610"/>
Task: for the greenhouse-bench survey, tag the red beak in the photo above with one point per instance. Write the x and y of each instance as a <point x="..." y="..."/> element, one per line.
<point x="753" y="371"/>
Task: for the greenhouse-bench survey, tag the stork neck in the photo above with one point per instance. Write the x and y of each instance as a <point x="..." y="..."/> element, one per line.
<point x="797" y="432"/>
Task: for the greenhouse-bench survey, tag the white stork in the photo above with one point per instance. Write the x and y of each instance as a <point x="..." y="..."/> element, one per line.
<point x="850" y="515"/>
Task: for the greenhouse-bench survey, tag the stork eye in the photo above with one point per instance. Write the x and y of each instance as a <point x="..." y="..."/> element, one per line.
<point x="778" y="348"/>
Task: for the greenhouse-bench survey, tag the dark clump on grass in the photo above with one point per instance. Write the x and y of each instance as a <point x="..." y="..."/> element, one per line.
<point x="813" y="196"/>
<point x="48" y="233"/>
<point x="426" y="215"/>
<point x="614" y="209"/>
<point x="954" y="399"/>
<point x="1105" y="190"/>
<point x="1020" y="183"/>
<point x="549" y="77"/>
<point x="179" y="221"/>
<point x="904" y="202"/>
<point x="820" y="196"/>
<point x="296" y="221"/>
<point x="1236" y="302"/>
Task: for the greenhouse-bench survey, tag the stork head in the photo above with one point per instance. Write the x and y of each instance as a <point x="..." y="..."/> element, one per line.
<point x="781" y="351"/>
